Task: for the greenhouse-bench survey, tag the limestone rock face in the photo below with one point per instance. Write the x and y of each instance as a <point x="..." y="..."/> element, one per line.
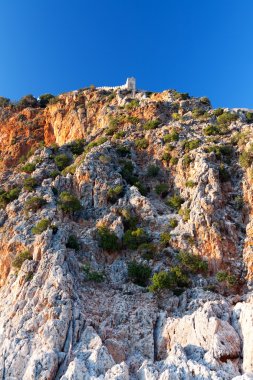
<point x="115" y="191"/>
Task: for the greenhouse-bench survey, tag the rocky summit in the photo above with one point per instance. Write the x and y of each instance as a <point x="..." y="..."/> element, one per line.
<point x="126" y="237"/>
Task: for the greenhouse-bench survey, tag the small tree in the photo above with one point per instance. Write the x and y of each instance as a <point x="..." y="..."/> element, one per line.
<point x="108" y="240"/>
<point x="45" y="99"/>
<point x="28" y="101"/>
<point x="132" y="239"/>
<point x="62" y="161"/>
<point x="69" y="202"/>
<point x="21" y="258"/>
<point x="28" y="168"/>
<point x="34" y="203"/>
<point x="139" y="273"/>
<point x="4" y="102"/>
<point x="160" y="281"/>
<point x="114" y="193"/>
<point x="41" y="226"/>
<point x="73" y="243"/>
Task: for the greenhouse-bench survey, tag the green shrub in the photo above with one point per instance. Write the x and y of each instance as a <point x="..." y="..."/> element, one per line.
<point x="71" y="169"/>
<point x="28" y="168"/>
<point x="153" y="170"/>
<point x="8" y="196"/>
<point x="192" y="263"/>
<point x="132" y="104"/>
<point x="119" y="135"/>
<point x="139" y="273"/>
<point x="245" y="159"/>
<point x="221" y="150"/>
<point x="166" y="156"/>
<point x="223" y="276"/>
<point x="181" y="95"/>
<point x="34" y="203"/>
<point x="4" y="102"/>
<point x="173" y="160"/>
<point x="62" y="161"/>
<point x="185" y="213"/>
<point x="190" y="184"/>
<point x="198" y="112"/>
<point x="175" y="116"/>
<point x="69" y="202"/>
<point x="152" y="124"/>
<point x="28" y="101"/>
<point x="21" y="258"/>
<point x="224" y="174"/>
<point x="45" y="99"/>
<point x="93" y="275"/>
<point x="162" y="189"/>
<point x="127" y="172"/>
<point x="186" y="160"/>
<point x="249" y="117"/>
<point x="170" y="137"/>
<point x="132" y="239"/>
<point x="175" y="202"/>
<point x="41" y="226"/>
<point x="179" y="278"/>
<point x="173" y="223"/>
<point x="218" y="112"/>
<point x="108" y="240"/>
<point x="72" y="243"/>
<point x="190" y="144"/>
<point x="123" y="150"/>
<point x="204" y="100"/>
<point x="211" y="130"/>
<point x="160" y="281"/>
<point x="141" y="143"/>
<point x="165" y="238"/>
<point x="147" y="250"/>
<point x="77" y="147"/>
<point x="54" y="173"/>
<point x="226" y="118"/>
<point x="30" y="184"/>
<point x="129" y="220"/>
<point x="114" y="193"/>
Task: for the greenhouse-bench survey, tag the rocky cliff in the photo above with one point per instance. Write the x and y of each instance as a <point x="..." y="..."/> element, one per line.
<point x="126" y="238"/>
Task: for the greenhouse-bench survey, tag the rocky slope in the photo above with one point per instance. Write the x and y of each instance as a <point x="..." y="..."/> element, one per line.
<point x="126" y="238"/>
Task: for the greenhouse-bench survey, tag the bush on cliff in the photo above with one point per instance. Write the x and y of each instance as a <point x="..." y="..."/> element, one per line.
<point x="62" y="161"/>
<point x="8" y="196"/>
<point x="34" y="203"/>
<point x="29" y="167"/>
<point x="73" y="243"/>
<point x="69" y="202"/>
<point x="21" y="258"/>
<point x="108" y="240"/>
<point x="41" y="226"/>
<point x="139" y="273"/>
<point x="132" y="239"/>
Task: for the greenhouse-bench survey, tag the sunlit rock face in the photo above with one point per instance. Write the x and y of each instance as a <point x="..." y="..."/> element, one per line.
<point x="125" y="238"/>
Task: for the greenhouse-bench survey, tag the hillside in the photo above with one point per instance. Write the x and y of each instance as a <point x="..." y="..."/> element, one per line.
<point x="126" y="236"/>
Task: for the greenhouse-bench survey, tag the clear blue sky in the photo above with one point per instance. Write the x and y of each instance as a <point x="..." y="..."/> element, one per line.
<point x="203" y="47"/>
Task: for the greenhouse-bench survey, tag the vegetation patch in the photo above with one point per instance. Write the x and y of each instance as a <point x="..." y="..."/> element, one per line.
<point x="35" y="203"/>
<point x="41" y="226"/>
<point x="21" y="258"/>
<point x="69" y="202"/>
<point x="139" y="273"/>
<point x="132" y="239"/>
<point x="108" y="240"/>
<point x="8" y="196"/>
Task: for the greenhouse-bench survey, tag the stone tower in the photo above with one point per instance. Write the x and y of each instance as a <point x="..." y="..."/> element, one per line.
<point x="131" y="85"/>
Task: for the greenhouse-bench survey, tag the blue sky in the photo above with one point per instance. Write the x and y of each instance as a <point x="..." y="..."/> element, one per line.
<point x="203" y="47"/>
